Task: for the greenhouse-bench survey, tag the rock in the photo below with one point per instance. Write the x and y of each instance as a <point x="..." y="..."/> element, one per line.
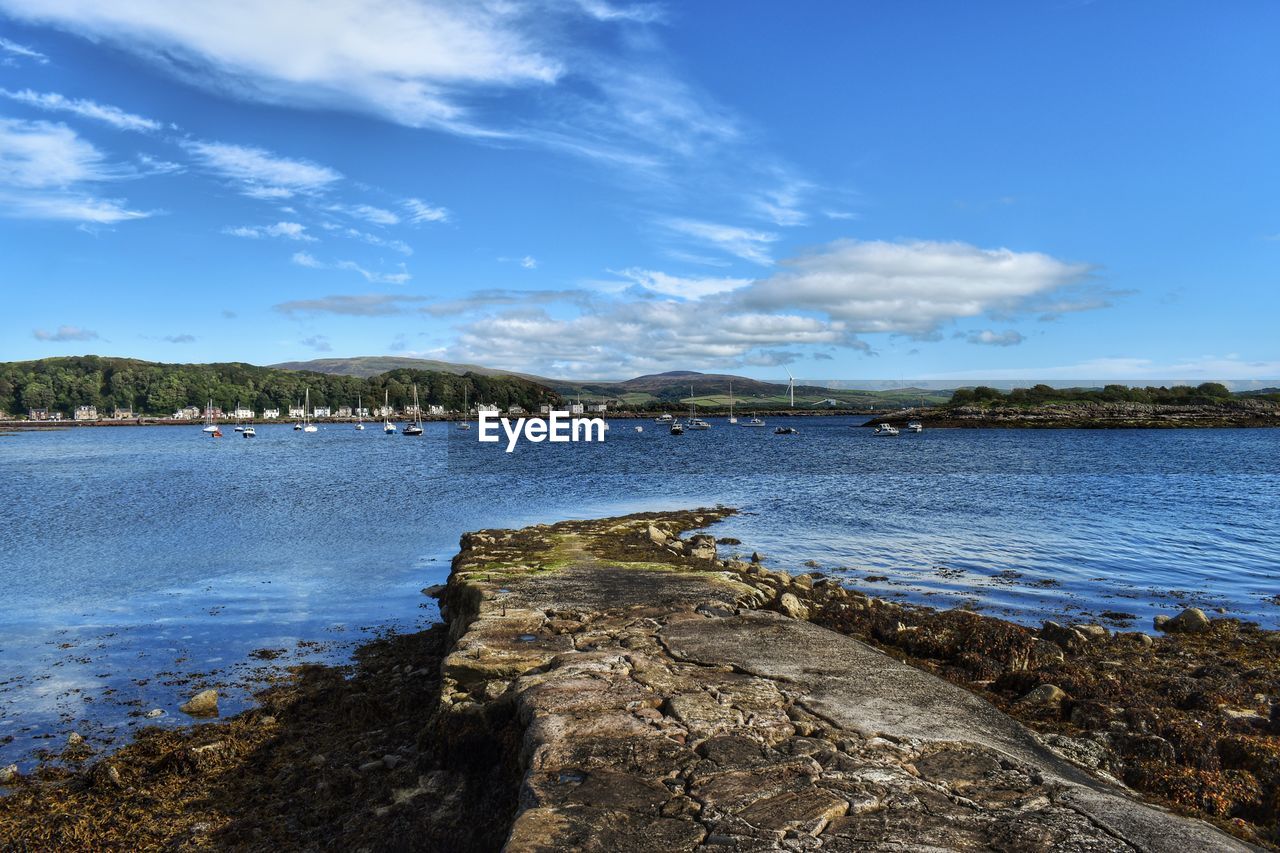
<point x="267" y="720"/>
<point x="370" y="766"/>
<point x="1068" y="638"/>
<point x="435" y="590"/>
<point x="108" y="777"/>
<point x="75" y="739"/>
<point x="789" y="605"/>
<point x="203" y="704"/>
<point x="1160" y="621"/>
<point x="391" y="762"/>
<point x="8" y="774"/>
<point x="701" y="547"/>
<point x="1092" y="632"/>
<point x="153" y="713"/>
<point x="1138" y="637"/>
<point x="756" y="558"/>
<point x="1045" y="653"/>
<point x="1045" y="694"/>
<point x="656" y="536"/>
<point x="318" y="760"/>
<point x="1079" y="750"/>
<point x="1190" y="621"/>
<point x="715" y="609"/>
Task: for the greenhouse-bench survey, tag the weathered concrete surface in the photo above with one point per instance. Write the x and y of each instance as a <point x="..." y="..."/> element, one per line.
<point x="660" y="711"/>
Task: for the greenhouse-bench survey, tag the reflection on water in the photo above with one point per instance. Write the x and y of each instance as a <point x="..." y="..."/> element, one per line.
<point x="141" y="563"/>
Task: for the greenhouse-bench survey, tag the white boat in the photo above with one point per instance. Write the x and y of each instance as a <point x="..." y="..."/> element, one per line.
<point x="753" y="422"/>
<point x="915" y="426"/>
<point x="733" y="419"/>
<point x="664" y="418"/>
<point x="639" y="429"/>
<point x="359" y="414"/>
<point x="786" y="430"/>
<point x="307" y="426"/>
<point x="248" y="432"/>
<point x="414" y="427"/>
<point x="463" y="424"/>
<point x="885" y="429"/>
<point x="387" y="426"/>
<point x="239" y="423"/>
<point x="209" y="426"/>
<point x="677" y="428"/>
<point x="695" y="422"/>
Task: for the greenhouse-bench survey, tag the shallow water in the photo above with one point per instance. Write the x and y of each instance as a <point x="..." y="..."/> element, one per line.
<point x="140" y="563"/>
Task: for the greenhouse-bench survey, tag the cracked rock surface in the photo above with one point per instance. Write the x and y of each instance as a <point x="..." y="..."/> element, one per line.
<point x="662" y="709"/>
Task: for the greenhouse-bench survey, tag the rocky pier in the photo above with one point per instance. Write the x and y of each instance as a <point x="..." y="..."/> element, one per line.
<point x="664" y="698"/>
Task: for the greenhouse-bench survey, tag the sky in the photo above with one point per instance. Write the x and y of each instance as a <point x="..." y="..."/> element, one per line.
<point x="600" y="189"/>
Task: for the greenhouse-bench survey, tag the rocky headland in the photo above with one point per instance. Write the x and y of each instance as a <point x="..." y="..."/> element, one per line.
<point x="622" y="684"/>
<point x="1236" y="412"/>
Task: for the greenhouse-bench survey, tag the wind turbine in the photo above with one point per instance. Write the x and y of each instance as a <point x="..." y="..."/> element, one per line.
<point x="791" y="388"/>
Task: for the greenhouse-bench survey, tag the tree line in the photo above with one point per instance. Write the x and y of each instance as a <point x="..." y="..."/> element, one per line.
<point x="158" y="390"/>
<point x="1206" y="393"/>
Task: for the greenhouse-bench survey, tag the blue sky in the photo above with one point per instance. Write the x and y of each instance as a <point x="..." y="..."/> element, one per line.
<point x="590" y="188"/>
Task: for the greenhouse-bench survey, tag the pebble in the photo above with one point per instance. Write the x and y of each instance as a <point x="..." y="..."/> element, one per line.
<point x="1045" y="694"/>
<point x="1190" y="621"/>
<point x="153" y="713"/>
<point x="8" y="774"/>
<point x="75" y="739"/>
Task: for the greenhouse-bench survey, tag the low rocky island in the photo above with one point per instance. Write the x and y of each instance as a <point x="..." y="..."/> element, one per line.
<point x="624" y="684"/>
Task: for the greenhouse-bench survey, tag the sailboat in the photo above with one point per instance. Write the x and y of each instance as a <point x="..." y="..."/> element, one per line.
<point x="465" y="411"/>
<point x="733" y="419"/>
<point x="695" y="422"/>
<point x="297" y="425"/>
<point x="239" y="422"/>
<point x="359" y="414"/>
<point x="754" y="422"/>
<point x="414" y="427"/>
<point x="307" y="426"/>
<point x="209" y="426"/>
<point x="387" y="426"/>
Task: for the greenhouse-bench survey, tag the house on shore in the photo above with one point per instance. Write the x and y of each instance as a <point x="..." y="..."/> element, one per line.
<point x="297" y="413"/>
<point x="190" y="413"/>
<point x="243" y="414"/>
<point x="122" y="414"/>
<point x="270" y="414"/>
<point x="38" y="415"/>
<point x="86" y="413"/>
<point x="321" y="411"/>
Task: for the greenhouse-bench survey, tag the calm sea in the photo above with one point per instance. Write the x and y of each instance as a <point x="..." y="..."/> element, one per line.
<point x="138" y="564"/>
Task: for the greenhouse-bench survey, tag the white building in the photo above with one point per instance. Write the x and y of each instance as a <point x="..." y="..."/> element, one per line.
<point x="544" y="409"/>
<point x="385" y="412"/>
<point x="488" y="407"/>
<point x="86" y="413"/>
<point x="189" y="413"/>
<point x="435" y="410"/>
<point x="598" y="407"/>
<point x="297" y="412"/>
<point x="344" y="412"/>
<point x="270" y="414"/>
<point x="322" y="411"/>
<point x="575" y="408"/>
<point x="122" y="414"/>
<point x="515" y="410"/>
<point x="243" y="413"/>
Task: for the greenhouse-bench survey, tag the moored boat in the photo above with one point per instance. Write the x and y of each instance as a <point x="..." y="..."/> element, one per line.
<point x="885" y="429"/>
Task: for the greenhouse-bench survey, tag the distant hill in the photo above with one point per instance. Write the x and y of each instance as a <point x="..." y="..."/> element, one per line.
<point x="365" y="366"/>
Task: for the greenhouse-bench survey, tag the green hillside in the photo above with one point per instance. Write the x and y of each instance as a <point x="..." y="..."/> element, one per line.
<point x="156" y="389"/>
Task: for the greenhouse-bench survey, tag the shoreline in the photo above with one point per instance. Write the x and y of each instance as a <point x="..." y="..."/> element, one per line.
<point x="424" y="714"/>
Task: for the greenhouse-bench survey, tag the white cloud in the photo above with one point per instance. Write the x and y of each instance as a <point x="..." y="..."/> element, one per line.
<point x="681" y="287"/>
<point x="319" y="343"/>
<point x="407" y="61"/>
<point x="44" y="170"/>
<point x="367" y="212"/>
<point x="305" y="259"/>
<point x="11" y="51"/>
<point x="365" y="237"/>
<point x="529" y="262"/>
<point x="915" y="287"/>
<point x="745" y="243"/>
<point x="420" y="211"/>
<point x="65" y="333"/>
<point x="262" y="174"/>
<point x="288" y="230"/>
<point x="358" y="305"/>
<point x="54" y="102"/>
<point x="1007" y="338"/>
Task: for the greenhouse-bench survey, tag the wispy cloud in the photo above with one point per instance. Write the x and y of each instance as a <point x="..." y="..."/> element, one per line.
<point x="989" y="337"/>
<point x="54" y="102"/>
<point x="352" y="305"/>
<point x="287" y="230"/>
<point x="367" y="212"/>
<point x="365" y="237"/>
<point x="419" y="211"/>
<point x="259" y="173"/>
<point x="180" y="339"/>
<point x="11" y="52"/>
<point x="681" y="287"/>
<point x="745" y="243"/>
<point x="65" y="333"/>
<point x="46" y="171"/>
<point x="319" y="343"/>
<point x="305" y="259"/>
